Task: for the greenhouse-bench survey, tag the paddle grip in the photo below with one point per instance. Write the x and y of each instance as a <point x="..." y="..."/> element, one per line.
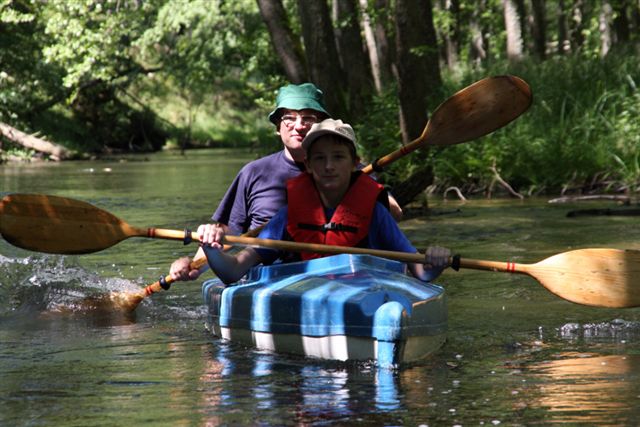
<point x="455" y="262"/>
<point x="376" y="166"/>
<point x="187" y="239"/>
<point x="163" y="282"/>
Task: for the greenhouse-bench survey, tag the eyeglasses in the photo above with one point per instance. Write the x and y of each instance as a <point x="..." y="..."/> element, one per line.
<point x="306" y="119"/>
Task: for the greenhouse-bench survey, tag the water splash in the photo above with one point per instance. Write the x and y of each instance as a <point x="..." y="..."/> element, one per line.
<point x="617" y="330"/>
<point x="54" y="284"/>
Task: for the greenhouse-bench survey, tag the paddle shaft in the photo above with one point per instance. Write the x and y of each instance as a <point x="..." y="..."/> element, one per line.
<point x="164" y="283"/>
<point x="470" y="113"/>
<point x="598" y="276"/>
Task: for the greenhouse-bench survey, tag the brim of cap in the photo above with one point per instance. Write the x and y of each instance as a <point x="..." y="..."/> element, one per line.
<point x="302" y="103"/>
<point x="311" y="137"/>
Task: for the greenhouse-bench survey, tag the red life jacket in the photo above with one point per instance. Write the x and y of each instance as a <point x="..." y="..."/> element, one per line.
<point x="349" y="225"/>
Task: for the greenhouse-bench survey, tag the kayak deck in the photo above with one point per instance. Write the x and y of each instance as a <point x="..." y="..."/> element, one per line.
<point x="343" y="307"/>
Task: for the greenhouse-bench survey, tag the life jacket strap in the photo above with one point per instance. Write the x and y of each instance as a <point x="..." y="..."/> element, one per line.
<point x="330" y="226"/>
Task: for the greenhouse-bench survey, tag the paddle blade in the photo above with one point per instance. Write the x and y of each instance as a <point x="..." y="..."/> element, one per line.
<point x="58" y="225"/>
<point x="597" y="277"/>
<point x="477" y="110"/>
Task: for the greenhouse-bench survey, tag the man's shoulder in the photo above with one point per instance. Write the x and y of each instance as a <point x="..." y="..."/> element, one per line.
<point x="265" y="161"/>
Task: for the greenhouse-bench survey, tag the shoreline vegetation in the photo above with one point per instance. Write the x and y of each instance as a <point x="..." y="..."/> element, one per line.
<point x="580" y="140"/>
<point x="95" y="80"/>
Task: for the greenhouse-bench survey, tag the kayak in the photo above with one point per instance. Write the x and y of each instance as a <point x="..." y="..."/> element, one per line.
<point x="343" y="307"/>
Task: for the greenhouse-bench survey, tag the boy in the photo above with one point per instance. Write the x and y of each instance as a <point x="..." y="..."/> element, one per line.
<point x="330" y="203"/>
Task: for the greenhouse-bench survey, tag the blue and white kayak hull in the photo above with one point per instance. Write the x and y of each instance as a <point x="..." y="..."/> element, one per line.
<point x="343" y="307"/>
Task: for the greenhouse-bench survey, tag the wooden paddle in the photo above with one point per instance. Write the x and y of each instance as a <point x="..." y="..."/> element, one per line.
<point x="470" y="113"/>
<point x="475" y="111"/>
<point x="597" y="277"/>
<point x="197" y="263"/>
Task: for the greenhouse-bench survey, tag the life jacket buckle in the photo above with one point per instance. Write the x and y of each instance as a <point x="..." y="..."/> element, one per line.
<point x="331" y="226"/>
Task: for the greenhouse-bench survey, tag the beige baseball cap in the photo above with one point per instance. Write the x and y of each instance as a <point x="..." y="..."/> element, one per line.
<point x="329" y="126"/>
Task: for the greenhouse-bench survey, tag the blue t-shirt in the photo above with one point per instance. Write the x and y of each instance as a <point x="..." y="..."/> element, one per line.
<point x="384" y="233"/>
<point x="257" y="192"/>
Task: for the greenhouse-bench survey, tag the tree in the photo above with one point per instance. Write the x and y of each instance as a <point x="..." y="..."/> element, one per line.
<point x="478" y="49"/>
<point x="353" y="58"/>
<point x="538" y="28"/>
<point x="451" y="32"/>
<point x="322" y="54"/>
<point x="373" y="22"/>
<point x="419" y="81"/>
<point x="285" y="44"/>
<point x="512" y="23"/>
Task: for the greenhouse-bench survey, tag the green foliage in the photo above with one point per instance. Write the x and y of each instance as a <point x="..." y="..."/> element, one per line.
<point x="92" y="39"/>
<point x="25" y="78"/>
<point x="582" y="119"/>
<point x="210" y="53"/>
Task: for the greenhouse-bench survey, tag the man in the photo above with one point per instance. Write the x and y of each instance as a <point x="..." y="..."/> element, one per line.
<point x="259" y="189"/>
<point x="332" y="203"/>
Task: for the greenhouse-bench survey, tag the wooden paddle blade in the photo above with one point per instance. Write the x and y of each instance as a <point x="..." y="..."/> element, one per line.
<point x="59" y="225"/>
<point x="597" y="277"/>
<point x="478" y="110"/>
<point x="475" y="111"/>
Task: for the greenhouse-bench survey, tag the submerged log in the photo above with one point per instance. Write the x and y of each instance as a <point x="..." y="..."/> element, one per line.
<point x="613" y="197"/>
<point x="55" y="151"/>
<point x="613" y="212"/>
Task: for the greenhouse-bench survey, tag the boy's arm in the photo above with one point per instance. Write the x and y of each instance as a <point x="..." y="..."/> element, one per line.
<point x="230" y="268"/>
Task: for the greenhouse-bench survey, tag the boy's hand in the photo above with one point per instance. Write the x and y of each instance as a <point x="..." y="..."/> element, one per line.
<point x="437" y="257"/>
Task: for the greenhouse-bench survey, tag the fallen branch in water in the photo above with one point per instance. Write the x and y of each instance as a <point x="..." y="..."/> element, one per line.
<point x="505" y="184"/>
<point x="55" y="151"/>
<point x="613" y="197"/>
<point x="456" y="190"/>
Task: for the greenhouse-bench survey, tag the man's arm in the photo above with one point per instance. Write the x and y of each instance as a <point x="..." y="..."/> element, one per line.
<point x="394" y="208"/>
<point x="181" y="268"/>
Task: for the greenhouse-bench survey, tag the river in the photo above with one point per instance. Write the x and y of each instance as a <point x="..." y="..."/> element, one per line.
<point x="516" y="354"/>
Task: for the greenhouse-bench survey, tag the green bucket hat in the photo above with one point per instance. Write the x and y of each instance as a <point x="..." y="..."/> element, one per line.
<point x="298" y="97"/>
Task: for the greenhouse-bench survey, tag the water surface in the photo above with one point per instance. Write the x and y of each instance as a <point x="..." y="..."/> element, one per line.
<point x="515" y="354"/>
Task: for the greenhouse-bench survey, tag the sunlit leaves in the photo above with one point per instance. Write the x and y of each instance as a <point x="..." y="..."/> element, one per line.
<point x="91" y="39"/>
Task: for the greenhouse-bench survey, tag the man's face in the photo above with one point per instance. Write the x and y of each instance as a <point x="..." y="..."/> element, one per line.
<point x="293" y="127"/>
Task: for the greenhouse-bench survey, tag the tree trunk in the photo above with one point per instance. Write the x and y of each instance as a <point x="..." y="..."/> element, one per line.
<point x="563" y="40"/>
<point x="284" y="43"/>
<point x="478" y="43"/>
<point x="621" y="22"/>
<point x="55" y="151"/>
<point x="417" y="64"/>
<point x="635" y="17"/>
<point x="385" y="50"/>
<point x="538" y="28"/>
<point x="322" y="55"/>
<point x="372" y="46"/>
<point x="576" y="24"/>
<point x="418" y="80"/>
<point x="451" y="35"/>
<point x="514" y="30"/>
<point x="353" y="57"/>
<point x="604" y="25"/>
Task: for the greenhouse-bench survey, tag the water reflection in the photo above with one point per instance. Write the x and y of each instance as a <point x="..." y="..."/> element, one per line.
<point x="587" y="388"/>
<point x="317" y="389"/>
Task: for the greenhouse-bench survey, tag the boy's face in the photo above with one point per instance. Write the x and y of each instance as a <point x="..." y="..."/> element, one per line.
<point x="331" y="164"/>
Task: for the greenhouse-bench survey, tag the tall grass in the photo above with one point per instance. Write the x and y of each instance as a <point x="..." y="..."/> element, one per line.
<point x="582" y="132"/>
